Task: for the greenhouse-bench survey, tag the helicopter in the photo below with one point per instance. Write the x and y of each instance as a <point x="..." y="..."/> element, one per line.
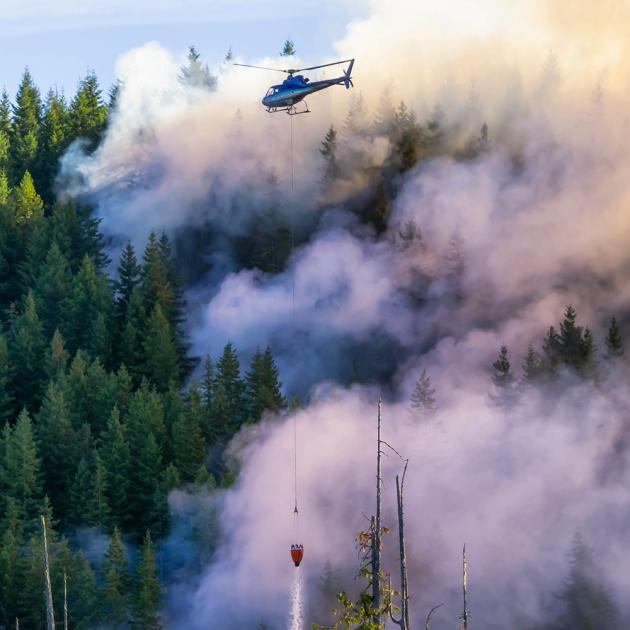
<point x="285" y="96"/>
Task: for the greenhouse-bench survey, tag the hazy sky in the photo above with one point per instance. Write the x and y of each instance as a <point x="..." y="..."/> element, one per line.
<point x="59" y="41"/>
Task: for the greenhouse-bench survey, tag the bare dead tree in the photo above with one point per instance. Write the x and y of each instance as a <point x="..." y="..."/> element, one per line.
<point x="376" y="528"/>
<point x="403" y="622"/>
<point x="50" y="615"/>
<point x="427" y="622"/>
<point x="465" y="614"/>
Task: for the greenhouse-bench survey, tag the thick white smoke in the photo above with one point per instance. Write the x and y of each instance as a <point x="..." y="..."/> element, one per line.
<point x="543" y="221"/>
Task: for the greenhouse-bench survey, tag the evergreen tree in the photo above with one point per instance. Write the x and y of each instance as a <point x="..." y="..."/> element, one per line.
<point x="5" y="191"/>
<point x="207" y="394"/>
<point x="328" y="151"/>
<point x="88" y="113"/>
<point x="288" y="49"/>
<point x="587" y="605"/>
<point x="27" y="349"/>
<point x="27" y="204"/>
<point x="229" y="377"/>
<point x="131" y="347"/>
<point x="21" y="471"/>
<point x="148" y="591"/>
<point x="422" y="403"/>
<point x="56" y="360"/>
<point x="128" y="280"/>
<point x="83" y="595"/>
<point x="52" y="288"/>
<point x="115" y="594"/>
<point x="614" y="341"/>
<point x="407" y="138"/>
<point x="551" y="350"/>
<point x="25" y="129"/>
<point x="533" y="368"/>
<point x="89" y="493"/>
<point x="570" y="338"/>
<point x="222" y="426"/>
<point x="58" y="447"/>
<point x="588" y="366"/>
<point x="188" y="441"/>
<point x="197" y="74"/>
<point x="504" y="391"/>
<point x="116" y="462"/>
<point x="162" y="365"/>
<point x="53" y="141"/>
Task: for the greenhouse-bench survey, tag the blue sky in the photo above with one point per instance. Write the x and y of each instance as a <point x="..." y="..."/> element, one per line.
<point x="59" y="41"/>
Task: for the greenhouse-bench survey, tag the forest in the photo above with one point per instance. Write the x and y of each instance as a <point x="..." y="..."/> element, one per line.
<point x="106" y="407"/>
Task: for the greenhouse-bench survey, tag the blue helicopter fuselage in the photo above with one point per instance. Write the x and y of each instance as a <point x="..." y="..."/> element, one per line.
<point x="294" y="89"/>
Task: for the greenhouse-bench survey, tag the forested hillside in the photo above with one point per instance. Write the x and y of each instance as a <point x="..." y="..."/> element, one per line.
<point x="97" y="424"/>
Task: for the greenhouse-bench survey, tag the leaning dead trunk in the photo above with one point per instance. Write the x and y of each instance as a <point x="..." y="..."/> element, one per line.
<point x="376" y="530"/>
<point x="404" y="589"/>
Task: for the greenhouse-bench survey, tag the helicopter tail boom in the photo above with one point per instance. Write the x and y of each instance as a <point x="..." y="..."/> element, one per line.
<point x="347" y="75"/>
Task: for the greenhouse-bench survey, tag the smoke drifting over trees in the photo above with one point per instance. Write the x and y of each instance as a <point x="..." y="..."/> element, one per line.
<point x="460" y="228"/>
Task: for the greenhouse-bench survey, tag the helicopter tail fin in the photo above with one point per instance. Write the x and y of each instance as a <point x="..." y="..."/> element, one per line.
<point x="347" y="73"/>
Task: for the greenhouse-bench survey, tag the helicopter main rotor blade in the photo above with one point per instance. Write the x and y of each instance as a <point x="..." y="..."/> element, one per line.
<point x="247" y="65"/>
<point x="324" y="65"/>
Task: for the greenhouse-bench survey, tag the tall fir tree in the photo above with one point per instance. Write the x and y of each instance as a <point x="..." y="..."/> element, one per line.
<point x="27" y="349"/>
<point x="6" y="378"/>
<point x="115" y="594"/>
<point x="88" y="113"/>
<point x="614" y="341"/>
<point x="5" y="132"/>
<point x="189" y="447"/>
<point x="161" y="360"/>
<point x="28" y="206"/>
<point x="197" y="74"/>
<point x="288" y="49"/>
<point x="229" y="377"/>
<point x="533" y="368"/>
<point x="504" y="393"/>
<point x="328" y="151"/>
<point x="148" y="592"/>
<point x="25" y="129"/>
<point x="115" y="455"/>
<point x="423" y="403"/>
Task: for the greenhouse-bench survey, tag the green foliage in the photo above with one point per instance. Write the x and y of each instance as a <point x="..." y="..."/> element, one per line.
<point x="115" y="595"/>
<point x="25" y="127"/>
<point x="88" y="113"/>
<point x="328" y="151"/>
<point x="28" y="206"/>
<point x="162" y="364"/>
<point x="231" y="387"/>
<point x="6" y="377"/>
<point x="288" y="49"/>
<point x="504" y="395"/>
<point x="148" y="592"/>
<point x="614" y="341"/>
<point x="189" y="446"/>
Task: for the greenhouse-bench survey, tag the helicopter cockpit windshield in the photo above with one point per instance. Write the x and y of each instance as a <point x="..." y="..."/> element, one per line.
<point x="271" y="91"/>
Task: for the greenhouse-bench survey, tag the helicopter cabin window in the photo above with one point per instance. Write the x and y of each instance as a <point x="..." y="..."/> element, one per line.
<point x="272" y="90"/>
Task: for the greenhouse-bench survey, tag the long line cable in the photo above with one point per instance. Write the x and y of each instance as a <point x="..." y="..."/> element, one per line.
<point x="295" y="493"/>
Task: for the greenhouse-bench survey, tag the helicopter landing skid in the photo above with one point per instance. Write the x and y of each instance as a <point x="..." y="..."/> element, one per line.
<point x="292" y="110"/>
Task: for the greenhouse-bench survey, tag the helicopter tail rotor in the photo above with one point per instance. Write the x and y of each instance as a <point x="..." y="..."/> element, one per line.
<point x="347" y="73"/>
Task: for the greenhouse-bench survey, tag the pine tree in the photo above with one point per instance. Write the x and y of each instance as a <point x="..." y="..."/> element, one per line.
<point x="27" y="204"/>
<point x="89" y="493"/>
<point x="270" y="392"/>
<point x="115" y="594"/>
<point x="207" y="394"/>
<point x="229" y="377"/>
<point x="25" y="129"/>
<point x="116" y="462"/>
<point x="53" y="141"/>
<point x="533" y="368"/>
<point x="56" y="360"/>
<point x="58" y="447"/>
<point x="288" y="49"/>
<point x="131" y="347"/>
<point x="83" y="595"/>
<point x="88" y="113"/>
<point x="189" y="447"/>
<point x="148" y="592"/>
<point x="570" y="338"/>
<point x="221" y="426"/>
<point x="423" y="403"/>
<point x="551" y="350"/>
<point x="52" y="288"/>
<point x="197" y="74"/>
<point x="22" y="471"/>
<point x="128" y="280"/>
<point x="5" y="191"/>
<point x="161" y="360"/>
<point x="614" y="341"/>
<point x="6" y="378"/>
<point x="328" y="151"/>
<point x="586" y="602"/>
<point x="588" y="366"/>
<point x="27" y="349"/>
<point x="504" y="391"/>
